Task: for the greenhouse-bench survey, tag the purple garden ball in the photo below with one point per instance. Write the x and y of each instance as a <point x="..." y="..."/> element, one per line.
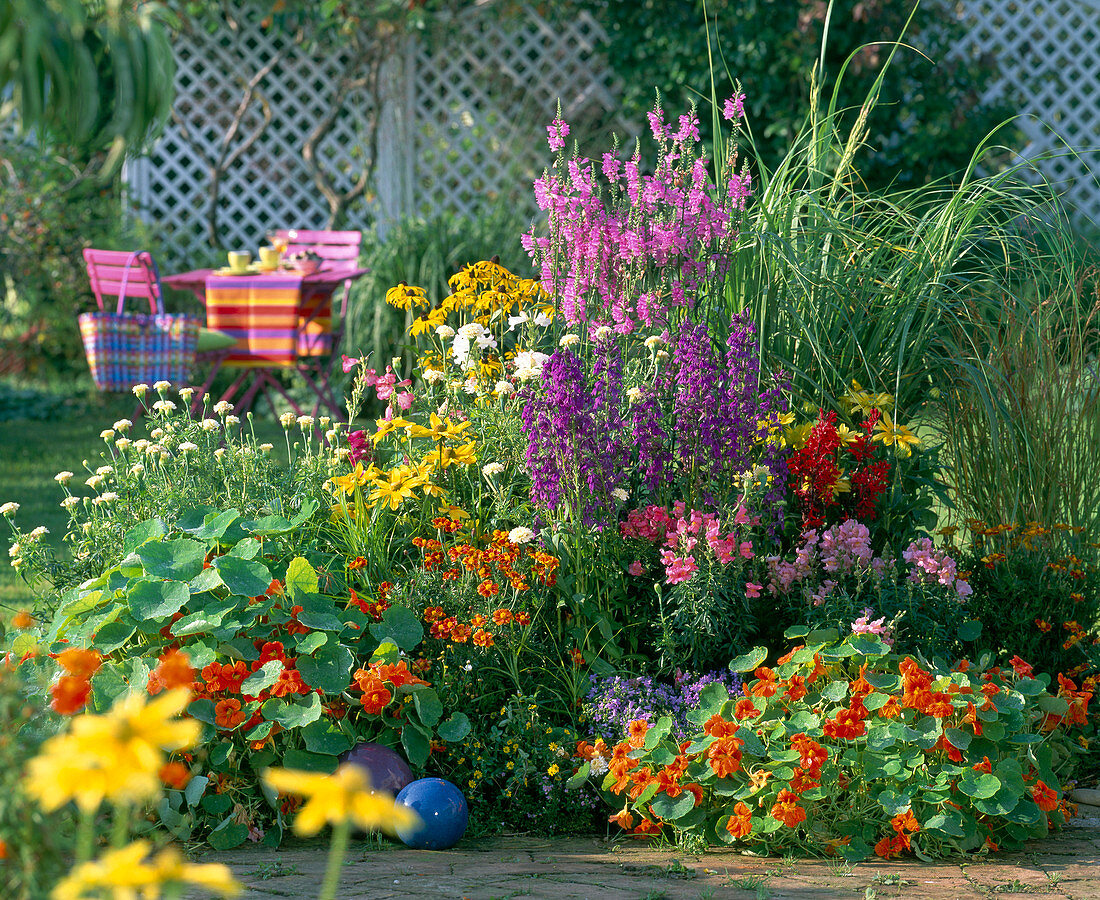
<point x="442" y="811"/>
<point x="387" y="771"/>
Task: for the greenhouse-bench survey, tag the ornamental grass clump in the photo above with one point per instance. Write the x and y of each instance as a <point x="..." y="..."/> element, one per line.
<point x="848" y="749"/>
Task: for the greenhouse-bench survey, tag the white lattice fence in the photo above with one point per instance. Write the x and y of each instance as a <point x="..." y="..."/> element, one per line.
<point x="461" y="127"/>
<point x="1048" y="53"/>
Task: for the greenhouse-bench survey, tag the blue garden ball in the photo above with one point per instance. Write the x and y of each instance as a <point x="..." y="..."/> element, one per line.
<point x="442" y="811"/>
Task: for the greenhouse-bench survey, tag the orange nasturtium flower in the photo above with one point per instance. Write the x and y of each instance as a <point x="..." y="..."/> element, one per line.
<point x="787" y="810"/>
<point x="740" y="823"/>
<point x="82" y="664"/>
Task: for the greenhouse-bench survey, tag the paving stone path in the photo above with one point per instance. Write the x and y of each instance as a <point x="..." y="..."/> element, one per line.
<point x="1066" y="867"/>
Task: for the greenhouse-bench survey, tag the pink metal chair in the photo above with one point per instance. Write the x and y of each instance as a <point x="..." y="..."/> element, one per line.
<point x="319" y="338"/>
<point x="115" y="273"/>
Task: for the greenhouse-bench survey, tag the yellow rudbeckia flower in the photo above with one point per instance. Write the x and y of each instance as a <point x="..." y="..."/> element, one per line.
<point x="893" y="434"/>
<point x="343" y="797"/>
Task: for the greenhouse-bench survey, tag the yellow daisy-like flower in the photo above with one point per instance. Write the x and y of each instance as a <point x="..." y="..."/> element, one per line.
<point x="115" y="756"/>
<point x="847" y="435"/>
<point x="464" y="455"/>
<point x="438" y="430"/>
<point x="404" y="296"/>
<point x="344" y="796"/>
<point x="356" y="478"/>
<point x="122" y="874"/>
<point x="895" y="435"/>
<point x="396" y="488"/>
<point x="385" y="426"/>
<point x="796" y="436"/>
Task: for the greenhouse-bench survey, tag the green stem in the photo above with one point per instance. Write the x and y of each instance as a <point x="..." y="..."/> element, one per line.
<point x="337" y="848"/>
<point x="85" y="836"/>
<point x="120" y="827"/>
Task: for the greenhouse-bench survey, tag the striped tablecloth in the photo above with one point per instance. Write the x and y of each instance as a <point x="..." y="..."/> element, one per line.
<point x="266" y="314"/>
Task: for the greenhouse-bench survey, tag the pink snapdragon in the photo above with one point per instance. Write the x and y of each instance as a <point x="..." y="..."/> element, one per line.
<point x="678" y="568"/>
<point x="556" y="133"/>
<point x="864" y="625"/>
<point x="930" y="565"/>
<point x="846" y="547"/>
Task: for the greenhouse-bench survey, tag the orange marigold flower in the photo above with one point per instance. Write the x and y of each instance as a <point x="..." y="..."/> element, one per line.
<point x="502" y="616"/>
<point x="433" y="613"/>
<point x="69" y="694"/>
<point x="460" y="634"/>
<point x="787" y="810"/>
<point x="488" y="588"/>
<point x="576" y="657"/>
<point x="740" y="823"/>
<point x="22" y="619"/>
<point x="228" y="713"/>
<point x="1045" y="798"/>
<point x="478" y="621"/>
<point x="523" y="618"/>
<point x="175" y="774"/>
<point x="483" y="638"/>
<point x="1043" y="625"/>
<point x="174" y="670"/>
<point x="745" y="709"/>
<point x="358" y="563"/>
<point x="82" y="664"/>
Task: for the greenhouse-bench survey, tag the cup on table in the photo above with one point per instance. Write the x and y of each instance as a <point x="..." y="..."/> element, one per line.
<point x="269" y="257"/>
<point x="239" y="260"/>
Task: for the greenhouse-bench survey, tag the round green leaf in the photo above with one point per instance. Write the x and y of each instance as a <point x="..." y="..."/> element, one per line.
<point x="243" y="577"/>
<point x="180" y="559"/>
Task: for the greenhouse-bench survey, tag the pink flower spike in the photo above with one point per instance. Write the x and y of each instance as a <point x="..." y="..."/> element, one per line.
<point x="752" y="590"/>
<point x="742" y="517"/>
<point x="404" y="400"/>
<point x="348" y="363"/>
<point x="746" y="550"/>
<point x="636" y="568"/>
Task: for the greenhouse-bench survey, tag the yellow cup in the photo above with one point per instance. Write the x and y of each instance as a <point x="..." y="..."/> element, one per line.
<point x="239" y="260"/>
<point x="269" y="257"/>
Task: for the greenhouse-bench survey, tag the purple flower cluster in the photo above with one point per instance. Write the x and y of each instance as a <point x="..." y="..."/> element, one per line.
<point x="613" y="703"/>
<point x="575" y="450"/>
<point x="665" y="234"/>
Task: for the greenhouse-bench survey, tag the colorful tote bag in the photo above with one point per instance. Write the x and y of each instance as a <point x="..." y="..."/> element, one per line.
<point x="124" y="349"/>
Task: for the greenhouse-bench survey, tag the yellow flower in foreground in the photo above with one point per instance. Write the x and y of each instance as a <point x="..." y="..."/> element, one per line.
<point x="385" y="426"/>
<point x="344" y="796"/>
<point x="890" y="433"/>
<point x="122" y="875"/>
<point x="357" y="477"/>
<point x="115" y="756"/>
<point x="458" y="456"/>
<point x="397" y="487"/>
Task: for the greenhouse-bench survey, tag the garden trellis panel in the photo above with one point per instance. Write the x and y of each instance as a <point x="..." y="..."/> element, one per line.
<point x="1048" y="53"/>
<point x="461" y="127"/>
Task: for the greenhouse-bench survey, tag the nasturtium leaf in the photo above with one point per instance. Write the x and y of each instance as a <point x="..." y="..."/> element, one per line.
<point x="802" y="720"/>
<point x="455" y="728"/>
<point x="711" y="699"/>
<point x="751" y="743"/>
<point x="150" y="599"/>
<point x="266" y="525"/>
<point x="309" y="761"/>
<point x="835" y="691"/>
<point x="796" y="631"/>
<point x="193" y="519"/>
<point x="207" y="618"/>
<point x="883" y="681"/>
<point x="217" y="804"/>
<point x="428" y="706"/>
<point x="263" y="678"/>
<point x="319" y="613"/>
<point x="260" y="732"/>
<point x="202" y="709"/>
<point x="658" y="732"/>
<point x="215" y="524"/>
<point x="646" y="795"/>
<point x="228" y="837"/>
<point x="309" y="507"/>
<point x="244" y="547"/>
<point x="1030" y="687"/>
<point x="949" y="822"/>
<point x="295" y="713"/>
<point x="207" y="580"/>
<point x="415" y="744"/>
<point x="894" y="803"/>
<point x="970" y="630"/>
<point x="301" y="578"/>
<point x="243" y="577"/>
<point x="108" y="684"/>
<point x="131" y="566"/>
<point x="958" y="738"/>
<point x="310" y="642"/>
<point x="979" y="785"/>
<point x="400" y="625"/>
<point x="195" y="788"/>
<point x="113" y="635"/>
<point x="672" y="808"/>
<point x="328" y="669"/>
<point x="1020" y="813"/>
<point x="749" y="662"/>
<point x="179" y="559"/>
<point x="326" y="738"/>
<point x="149" y="530"/>
<point x="1057" y="706"/>
<point x="579" y="777"/>
<point x="1001" y="804"/>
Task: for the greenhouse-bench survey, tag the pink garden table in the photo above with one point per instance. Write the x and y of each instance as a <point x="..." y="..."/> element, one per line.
<point x="280" y="320"/>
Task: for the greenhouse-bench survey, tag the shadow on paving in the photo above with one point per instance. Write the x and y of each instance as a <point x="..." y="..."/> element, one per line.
<point x="589" y="869"/>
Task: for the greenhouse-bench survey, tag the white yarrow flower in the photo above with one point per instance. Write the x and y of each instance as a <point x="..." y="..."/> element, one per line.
<point x="123" y="425"/>
<point x="141" y="445"/>
<point x="654" y="342"/>
<point x="186" y="393"/>
<point x="491" y="469"/>
<point x="161" y="386"/>
<point x="621" y="494"/>
<point x="305" y="422"/>
<point x="69" y="502"/>
<point x="106" y="434"/>
<point x="140" y="390"/>
<point x="598" y="766"/>
<point x="471" y="330"/>
<point x="108" y="497"/>
<point x="137" y="469"/>
<point x="104" y="470"/>
<point x="63" y="477"/>
<point x="209" y="425"/>
<point x="95" y="482"/>
<point x="602" y="333"/>
<point x="569" y="340"/>
<point x="231" y="421"/>
<point x="39" y="532"/>
<point x="123" y="443"/>
<point x="433" y="376"/>
<point x="266" y="448"/>
<point x="287" y="419"/>
<point x="504" y="388"/>
<point x="634" y="394"/>
<point x="15" y="549"/>
<point x="187" y="447"/>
